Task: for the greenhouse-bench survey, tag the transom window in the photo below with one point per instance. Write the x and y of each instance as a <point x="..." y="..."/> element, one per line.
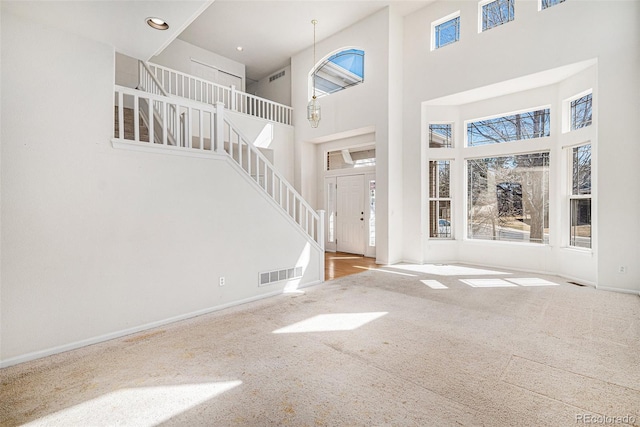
<point x="338" y="72"/>
<point x="581" y="112"/>
<point x="440" y="199"/>
<point x="580" y="197"/>
<point x="514" y="127"/>
<point x="351" y="158"/>
<point x="440" y="135"/>
<point x="445" y="31"/>
<point x="496" y="13"/>
<point x="544" y="4"/>
<point x="508" y="198"/>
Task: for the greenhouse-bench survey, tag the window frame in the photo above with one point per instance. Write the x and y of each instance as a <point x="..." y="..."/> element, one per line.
<point x="437" y="199"/>
<point x="546" y="216"/>
<point x="312" y="83"/>
<point x="451" y="139"/>
<point x="435" y="24"/>
<point x="484" y="3"/>
<point x="572" y="196"/>
<point x="567" y="113"/>
<point x="542" y="7"/>
<point x="466" y="124"/>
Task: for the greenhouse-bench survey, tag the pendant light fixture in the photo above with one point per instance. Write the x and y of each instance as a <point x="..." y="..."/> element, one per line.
<point x="313" y="108"/>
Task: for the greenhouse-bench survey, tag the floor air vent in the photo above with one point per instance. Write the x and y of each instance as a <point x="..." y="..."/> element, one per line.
<point x="270" y="277"/>
<point x="577" y="284"/>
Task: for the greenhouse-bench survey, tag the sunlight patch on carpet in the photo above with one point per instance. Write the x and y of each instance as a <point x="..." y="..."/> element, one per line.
<point x="434" y="284"/>
<point x="143" y="406"/>
<point x="487" y="283"/>
<point x="532" y="281"/>
<point x="331" y="322"/>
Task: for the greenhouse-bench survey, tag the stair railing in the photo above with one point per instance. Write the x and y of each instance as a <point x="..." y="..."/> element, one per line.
<point x="207" y="129"/>
<point x="192" y="121"/>
<point x="260" y="169"/>
<point x="149" y="83"/>
<point x="186" y="86"/>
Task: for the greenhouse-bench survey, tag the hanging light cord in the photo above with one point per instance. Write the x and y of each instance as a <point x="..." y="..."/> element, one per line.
<point x="314" y="22"/>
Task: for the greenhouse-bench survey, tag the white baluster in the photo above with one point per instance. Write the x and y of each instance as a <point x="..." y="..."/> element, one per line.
<point x="220" y="127"/>
<point x="136" y="119"/>
<point x="120" y="115"/>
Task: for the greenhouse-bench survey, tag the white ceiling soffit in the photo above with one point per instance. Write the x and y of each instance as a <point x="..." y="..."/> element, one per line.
<point x="271" y="32"/>
<point x="121" y="24"/>
<point x="520" y="84"/>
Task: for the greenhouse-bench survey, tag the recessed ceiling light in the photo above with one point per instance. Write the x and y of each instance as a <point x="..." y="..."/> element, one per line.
<point x="157" y="23"/>
<point x="239" y="48"/>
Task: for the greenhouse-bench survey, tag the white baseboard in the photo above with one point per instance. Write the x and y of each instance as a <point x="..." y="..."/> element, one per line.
<point x="621" y="290"/>
<point x="119" y="334"/>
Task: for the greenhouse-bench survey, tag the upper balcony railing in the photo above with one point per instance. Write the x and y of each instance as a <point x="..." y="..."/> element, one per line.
<point x="179" y="125"/>
<point x="196" y="89"/>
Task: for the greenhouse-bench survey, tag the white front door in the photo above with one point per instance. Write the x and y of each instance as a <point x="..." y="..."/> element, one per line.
<point x="351" y="217"/>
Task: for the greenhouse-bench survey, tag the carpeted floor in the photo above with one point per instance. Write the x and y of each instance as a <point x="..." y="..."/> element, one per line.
<point x="380" y="348"/>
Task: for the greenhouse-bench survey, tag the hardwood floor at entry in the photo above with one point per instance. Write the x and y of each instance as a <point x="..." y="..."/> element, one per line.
<point x="340" y="264"/>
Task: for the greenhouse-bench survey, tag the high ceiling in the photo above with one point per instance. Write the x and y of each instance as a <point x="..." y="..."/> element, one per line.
<point x="121" y="24"/>
<point x="271" y="32"/>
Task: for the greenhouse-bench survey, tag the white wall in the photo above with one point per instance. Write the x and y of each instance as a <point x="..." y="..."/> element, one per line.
<point x="363" y="106"/>
<point x="178" y="56"/>
<point x="278" y="90"/>
<point x="571" y="32"/>
<point x="126" y="71"/>
<point x="97" y="242"/>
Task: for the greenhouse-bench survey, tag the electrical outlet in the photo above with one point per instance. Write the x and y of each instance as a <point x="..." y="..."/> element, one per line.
<point x="221" y="281"/>
<point x="622" y="269"/>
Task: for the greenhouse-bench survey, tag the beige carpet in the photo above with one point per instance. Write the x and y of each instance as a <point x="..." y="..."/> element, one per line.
<point x="380" y="348"/>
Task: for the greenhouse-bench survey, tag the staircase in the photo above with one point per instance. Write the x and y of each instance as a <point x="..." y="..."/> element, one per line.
<point x="129" y="126"/>
<point x="159" y="117"/>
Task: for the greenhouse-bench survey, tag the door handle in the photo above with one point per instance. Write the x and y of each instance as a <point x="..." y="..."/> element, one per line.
<point x="361" y="219"/>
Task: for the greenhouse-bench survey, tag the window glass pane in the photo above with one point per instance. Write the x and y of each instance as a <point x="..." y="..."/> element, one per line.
<point x="372" y="213"/>
<point x="339" y="71"/>
<point x="581" y="170"/>
<point x="549" y="3"/>
<point x="440" y="203"/>
<point x="497" y="13"/>
<point x="447" y="32"/>
<point x="508" y="198"/>
<point x="580" y="231"/>
<point x="331" y="211"/>
<point x="440" y="136"/>
<point x="351" y="158"/>
<point x="443" y="178"/>
<point x="581" y="112"/>
<point x="532" y="124"/>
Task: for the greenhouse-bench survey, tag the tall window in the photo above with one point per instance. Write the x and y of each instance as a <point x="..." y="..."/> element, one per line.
<point x="440" y="136"/>
<point x="527" y="125"/>
<point x="508" y="198"/>
<point x="580" y="197"/>
<point x="440" y="199"/>
<point x="340" y="71"/>
<point x="446" y="31"/>
<point x="544" y="4"/>
<point x="496" y="13"/>
<point x="581" y="112"/>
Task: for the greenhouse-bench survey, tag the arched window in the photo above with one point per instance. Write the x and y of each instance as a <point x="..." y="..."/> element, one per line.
<point x="339" y="71"/>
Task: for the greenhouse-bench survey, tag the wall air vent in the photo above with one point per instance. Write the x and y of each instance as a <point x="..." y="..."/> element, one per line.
<point x="276" y="76"/>
<point x="270" y="277"/>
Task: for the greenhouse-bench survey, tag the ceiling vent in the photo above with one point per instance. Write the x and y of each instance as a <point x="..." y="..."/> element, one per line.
<point x="276" y="76"/>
